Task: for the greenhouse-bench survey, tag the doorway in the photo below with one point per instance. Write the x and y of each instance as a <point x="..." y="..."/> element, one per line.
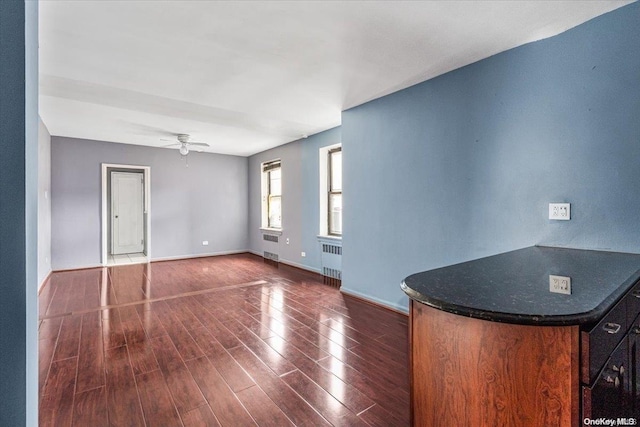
<point x="125" y="214"/>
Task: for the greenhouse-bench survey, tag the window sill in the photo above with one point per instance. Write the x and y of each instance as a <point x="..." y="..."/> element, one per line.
<point x="331" y="239"/>
<point x="276" y="231"/>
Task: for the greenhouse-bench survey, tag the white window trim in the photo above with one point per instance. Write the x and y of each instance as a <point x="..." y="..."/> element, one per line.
<point x="266" y="230"/>
<point x="264" y="185"/>
<point x="329" y="239"/>
<point x="324" y="190"/>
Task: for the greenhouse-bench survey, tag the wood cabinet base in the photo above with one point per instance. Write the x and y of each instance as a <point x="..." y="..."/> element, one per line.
<point x="471" y="372"/>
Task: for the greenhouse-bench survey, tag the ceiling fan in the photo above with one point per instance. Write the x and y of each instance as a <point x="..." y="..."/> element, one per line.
<point x="185" y="143"/>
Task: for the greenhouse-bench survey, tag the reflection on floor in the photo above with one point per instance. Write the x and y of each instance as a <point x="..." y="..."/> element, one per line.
<point x="124" y="259"/>
<point x="226" y="340"/>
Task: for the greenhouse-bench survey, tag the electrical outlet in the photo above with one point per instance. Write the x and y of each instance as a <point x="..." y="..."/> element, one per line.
<point x="560" y="284"/>
<point x="560" y="211"/>
<point x="205" y="243"/>
<point x="303" y="254"/>
<point x="287" y="240"/>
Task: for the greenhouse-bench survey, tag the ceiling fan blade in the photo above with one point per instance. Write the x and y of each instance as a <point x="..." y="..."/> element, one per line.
<point x="168" y="140"/>
<point x="201" y="144"/>
<point x="175" y="144"/>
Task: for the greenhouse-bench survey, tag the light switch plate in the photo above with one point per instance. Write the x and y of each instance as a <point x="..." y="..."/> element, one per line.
<point x="560" y="284"/>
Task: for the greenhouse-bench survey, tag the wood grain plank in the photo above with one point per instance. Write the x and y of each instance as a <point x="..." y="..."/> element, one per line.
<point x="142" y="358"/>
<point x="181" y="312"/>
<point x="261" y="330"/>
<point x="131" y="325"/>
<point x="371" y="386"/>
<point x="62" y="284"/>
<point x="399" y="354"/>
<point x="90" y="408"/>
<point x="335" y="336"/>
<point x="92" y="291"/>
<point x="181" y="338"/>
<point x="233" y="374"/>
<point x="269" y="316"/>
<point x="46" y="294"/>
<point x="75" y="302"/>
<point x="166" y="353"/>
<point x="296" y="409"/>
<point x="69" y="338"/>
<point x="112" y="333"/>
<point x="90" y="359"/>
<point x="377" y="416"/>
<point x="264" y="411"/>
<point x="56" y="405"/>
<point x="157" y="404"/>
<point x="45" y="354"/>
<point x="151" y="323"/>
<point x="328" y="406"/>
<point x="49" y="328"/>
<point x="269" y="356"/>
<point x="224" y="403"/>
<point x="217" y="329"/>
<point x="397" y="340"/>
<point x="362" y="328"/>
<point x="122" y="395"/>
<point x="184" y="389"/>
<point x="349" y="396"/>
<point x="200" y="417"/>
<point x="128" y="282"/>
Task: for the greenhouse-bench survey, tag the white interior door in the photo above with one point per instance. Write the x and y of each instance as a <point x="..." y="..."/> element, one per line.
<point x="127" y="212"/>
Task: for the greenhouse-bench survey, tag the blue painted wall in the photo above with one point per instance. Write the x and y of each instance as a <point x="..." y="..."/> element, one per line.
<point x="18" y="213"/>
<point x="300" y="198"/>
<point x="464" y="165"/>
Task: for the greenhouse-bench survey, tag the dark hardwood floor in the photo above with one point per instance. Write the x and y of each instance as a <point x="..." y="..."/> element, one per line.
<point x="221" y="341"/>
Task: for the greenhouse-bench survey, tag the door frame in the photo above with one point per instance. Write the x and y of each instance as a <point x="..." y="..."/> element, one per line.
<point x="106" y="215"/>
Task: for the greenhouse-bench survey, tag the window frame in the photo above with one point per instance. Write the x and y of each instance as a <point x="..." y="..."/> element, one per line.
<point x="266" y="169"/>
<point x="332" y="192"/>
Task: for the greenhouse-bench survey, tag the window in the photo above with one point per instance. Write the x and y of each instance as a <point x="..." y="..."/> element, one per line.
<point x="272" y="194"/>
<point x="334" y="192"/>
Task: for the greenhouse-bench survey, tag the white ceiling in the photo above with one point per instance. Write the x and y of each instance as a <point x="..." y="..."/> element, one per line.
<point x="247" y="76"/>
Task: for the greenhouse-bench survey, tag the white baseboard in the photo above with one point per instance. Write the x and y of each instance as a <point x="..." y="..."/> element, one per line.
<point x="396" y="307"/>
<point x="301" y="266"/>
<point x="177" y="257"/>
<point x="170" y="258"/>
<point x="291" y="263"/>
<point x="84" y="267"/>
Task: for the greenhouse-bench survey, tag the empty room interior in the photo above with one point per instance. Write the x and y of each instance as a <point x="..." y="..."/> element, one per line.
<point x="176" y="248"/>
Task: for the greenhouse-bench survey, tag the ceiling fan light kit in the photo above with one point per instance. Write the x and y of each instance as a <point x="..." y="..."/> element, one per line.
<point x="184" y="143"/>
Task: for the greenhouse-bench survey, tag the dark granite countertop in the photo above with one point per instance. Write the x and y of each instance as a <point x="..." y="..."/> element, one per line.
<point x="514" y="287"/>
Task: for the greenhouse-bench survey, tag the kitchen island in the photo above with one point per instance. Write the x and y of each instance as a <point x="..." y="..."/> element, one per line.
<point x="534" y="337"/>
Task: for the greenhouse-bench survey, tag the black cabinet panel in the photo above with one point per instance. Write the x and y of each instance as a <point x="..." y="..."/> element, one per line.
<point x="611" y="394"/>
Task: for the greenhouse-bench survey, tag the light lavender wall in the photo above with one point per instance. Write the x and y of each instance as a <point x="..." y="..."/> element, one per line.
<point x="300" y="198"/>
<point x="44" y="202"/>
<point x="32" y="119"/>
<point x="205" y="201"/>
